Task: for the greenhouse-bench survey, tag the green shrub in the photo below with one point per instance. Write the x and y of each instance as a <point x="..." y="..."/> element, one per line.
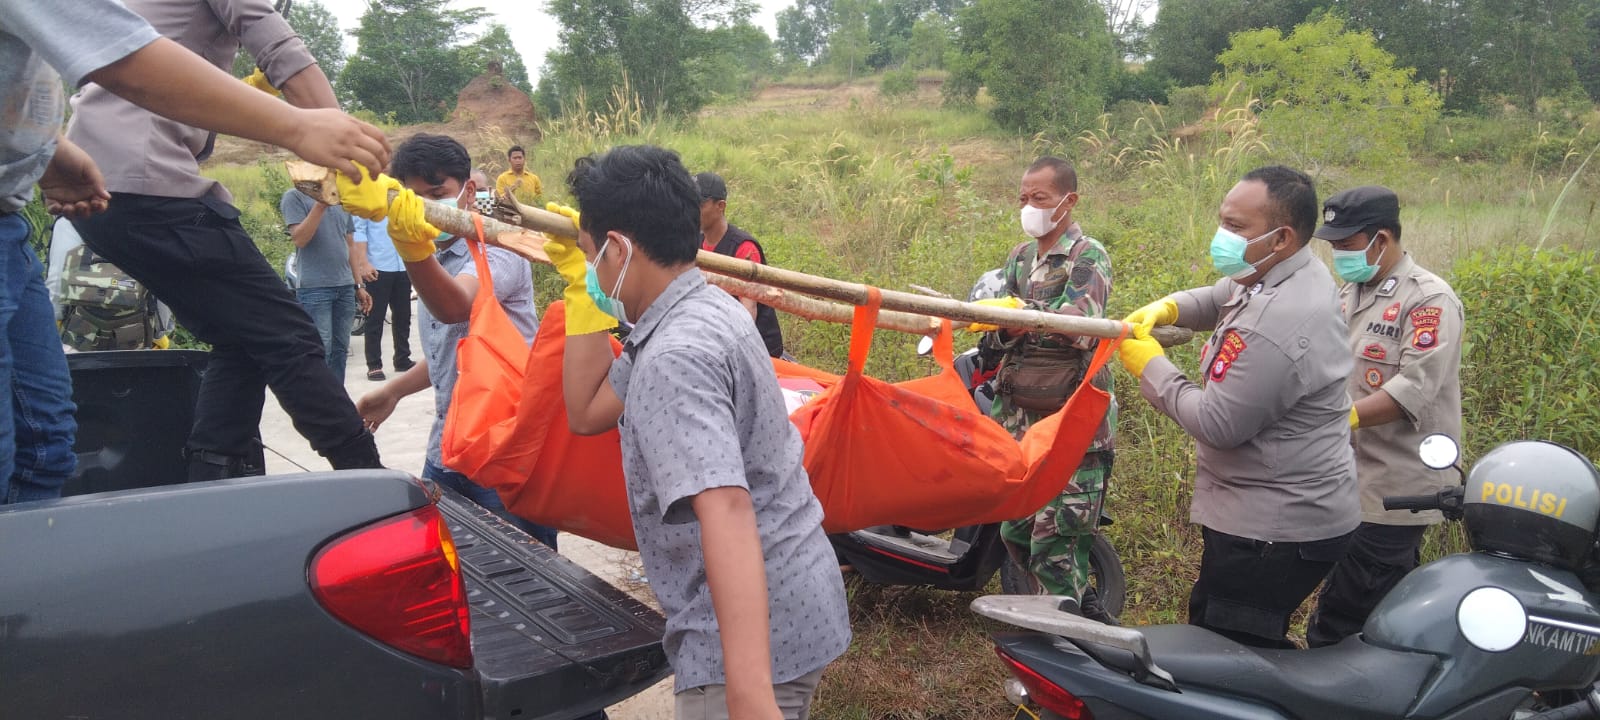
<point x="1529" y="366"/>
<point x="898" y="83"/>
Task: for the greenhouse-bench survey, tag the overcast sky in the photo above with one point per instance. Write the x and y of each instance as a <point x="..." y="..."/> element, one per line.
<point x="532" y="30"/>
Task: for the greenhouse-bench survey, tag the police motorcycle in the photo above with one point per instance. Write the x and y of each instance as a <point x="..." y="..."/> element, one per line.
<point x="1509" y="630"/>
<point x="966" y="558"/>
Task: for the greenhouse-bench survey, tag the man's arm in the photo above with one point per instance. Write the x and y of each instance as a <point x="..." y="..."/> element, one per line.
<point x="592" y="404"/>
<point x="310" y="88"/>
<point x="736" y="574"/>
<point x="301" y="232"/>
<point x="360" y="266"/>
<point x="72" y="184"/>
<point x="1430" y="363"/>
<point x="1199" y="309"/>
<point x="168" y="80"/>
<point x="1084" y="294"/>
<point x="1250" y="385"/>
<point x="376" y="406"/>
<point x="448" y="298"/>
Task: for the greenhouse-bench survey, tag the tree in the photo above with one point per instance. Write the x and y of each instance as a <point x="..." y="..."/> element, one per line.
<point x="1188" y="35"/>
<point x="1328" y="95"/>
<point x="930" y="38"/>
<point x="803" y="30"/>
<point x="409" y="58"/>
<point x="659" y="46"/>
<point x="851" y="42"/>
<point x="495" y="45"/>
<point x="1046" y="63"/>
<point x="317" y="26"/>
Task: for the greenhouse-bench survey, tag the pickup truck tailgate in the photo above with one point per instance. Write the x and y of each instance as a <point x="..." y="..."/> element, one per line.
<point x="550" y="641"/>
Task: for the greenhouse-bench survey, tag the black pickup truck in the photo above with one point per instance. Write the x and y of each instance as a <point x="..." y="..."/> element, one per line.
<point x="356" y="594"/>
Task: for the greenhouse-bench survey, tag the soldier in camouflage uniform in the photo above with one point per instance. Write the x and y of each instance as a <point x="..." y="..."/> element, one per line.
<point x="1066" y="272"/>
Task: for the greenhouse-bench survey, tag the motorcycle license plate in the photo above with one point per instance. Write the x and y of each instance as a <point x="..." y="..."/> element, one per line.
<point x="1023" y="713"/>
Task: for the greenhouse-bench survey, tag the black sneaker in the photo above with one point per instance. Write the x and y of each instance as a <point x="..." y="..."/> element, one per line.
<point x="376" y="375"/>
<point x="402" y="366"/>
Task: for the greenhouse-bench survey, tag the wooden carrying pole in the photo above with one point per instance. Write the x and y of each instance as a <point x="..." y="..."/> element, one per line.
<point x="508" y="229"/>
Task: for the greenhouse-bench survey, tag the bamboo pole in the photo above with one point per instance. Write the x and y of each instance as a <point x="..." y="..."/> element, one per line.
<point x="512" y="219"/>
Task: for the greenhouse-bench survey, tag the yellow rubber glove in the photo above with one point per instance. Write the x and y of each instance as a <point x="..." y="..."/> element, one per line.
<point x="583" y="317"/>
<point x="1004" y="302"/>
<point x="162" y="342"/>
<point x="560" y="209"/>
<point x="368" y="199"/>
<point x="1160" y="312"/>
<point x="1137" y="351"/>
<point x="1355" y="420"/>
<point x="259" y="81"/>
<point x="412" y="235"/>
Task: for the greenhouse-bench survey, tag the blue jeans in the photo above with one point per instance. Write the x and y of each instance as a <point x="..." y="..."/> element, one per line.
<point x="489" y="499"/>
<point x="332" y="310"/>
<point x="37" y="427"/>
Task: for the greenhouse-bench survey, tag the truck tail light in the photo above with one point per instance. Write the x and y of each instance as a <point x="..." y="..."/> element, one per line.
<point x="1049" y="695"/>
<point x="398" y="580"/>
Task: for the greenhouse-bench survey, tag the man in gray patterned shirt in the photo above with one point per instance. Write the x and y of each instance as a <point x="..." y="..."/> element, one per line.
<point x="728" y="528"/>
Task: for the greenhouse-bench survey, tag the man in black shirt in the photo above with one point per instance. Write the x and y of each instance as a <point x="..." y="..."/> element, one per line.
<point x="725" y="238"/>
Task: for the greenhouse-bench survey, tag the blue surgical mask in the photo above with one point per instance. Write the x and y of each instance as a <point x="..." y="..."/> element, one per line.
<point x="1352" y="265"/>
<point x="1227" y="253"/>
<point x="607" y="303"/>
<point x="444" y="237"/>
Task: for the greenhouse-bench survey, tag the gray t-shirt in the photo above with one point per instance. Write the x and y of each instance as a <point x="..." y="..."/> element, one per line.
<point x="74" y="37"/>
<point x="325" y="261"/>
<point x="702" y="410"/>
<point x="513" y="287"/>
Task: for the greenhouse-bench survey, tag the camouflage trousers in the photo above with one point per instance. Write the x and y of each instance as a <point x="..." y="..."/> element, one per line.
<point x="1053" y="544"/>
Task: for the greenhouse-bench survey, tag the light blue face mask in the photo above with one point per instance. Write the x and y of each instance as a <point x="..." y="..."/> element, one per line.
<point x="1352" y="265"/>
<point x="607" y="304"/>
<point x="444" y="237"/>
<point x="1227" y="253"/>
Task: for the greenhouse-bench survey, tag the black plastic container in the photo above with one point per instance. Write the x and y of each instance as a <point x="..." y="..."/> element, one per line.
<point x="135" y="408"/>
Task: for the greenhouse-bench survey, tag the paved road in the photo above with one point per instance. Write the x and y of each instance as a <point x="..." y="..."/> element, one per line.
<point x="403" y="443"/>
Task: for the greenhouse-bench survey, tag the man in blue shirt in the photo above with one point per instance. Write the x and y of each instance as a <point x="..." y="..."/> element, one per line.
<point x="391" y="295"/>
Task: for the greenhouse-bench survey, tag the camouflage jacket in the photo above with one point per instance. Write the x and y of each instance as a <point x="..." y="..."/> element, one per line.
<point x="104" y="308"/>
<point x="1073" y="278"/>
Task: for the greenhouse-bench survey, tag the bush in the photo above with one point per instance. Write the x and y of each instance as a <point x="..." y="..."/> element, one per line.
<point x="1533" y="333"/>
<point x="898" y="83"/>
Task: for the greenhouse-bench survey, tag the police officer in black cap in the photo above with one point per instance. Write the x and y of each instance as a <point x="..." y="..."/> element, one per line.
<point x="1405" y="327"/>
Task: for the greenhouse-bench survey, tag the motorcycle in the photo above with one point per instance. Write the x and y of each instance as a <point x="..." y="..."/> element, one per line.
<point x="966" y="558"/>
<point x="1510" y="630"/>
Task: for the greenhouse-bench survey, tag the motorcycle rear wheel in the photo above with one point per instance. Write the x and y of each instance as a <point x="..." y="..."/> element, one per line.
<point x="1105" y="576"/>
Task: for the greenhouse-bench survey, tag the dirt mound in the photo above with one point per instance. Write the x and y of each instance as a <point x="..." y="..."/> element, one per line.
<point x="492" y="104"/>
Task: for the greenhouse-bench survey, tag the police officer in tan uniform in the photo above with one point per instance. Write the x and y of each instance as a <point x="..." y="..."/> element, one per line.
<point x="1405" y="334"/>
<point x="1275" y="488"/>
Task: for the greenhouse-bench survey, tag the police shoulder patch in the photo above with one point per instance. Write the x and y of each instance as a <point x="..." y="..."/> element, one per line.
<point x="1425" y="327"/>
<point x="1228" y="350"/>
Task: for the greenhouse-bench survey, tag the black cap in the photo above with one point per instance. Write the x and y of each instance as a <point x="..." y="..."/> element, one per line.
<point x="1349" y="212"/>
<point x="711" y="186"/>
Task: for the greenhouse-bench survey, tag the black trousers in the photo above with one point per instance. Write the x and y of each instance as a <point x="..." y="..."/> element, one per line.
<point x="391" y="292"/>
<point x="1248" y="589"/>
<point x="194" y="255"/>
<point x="1379" y="556"/>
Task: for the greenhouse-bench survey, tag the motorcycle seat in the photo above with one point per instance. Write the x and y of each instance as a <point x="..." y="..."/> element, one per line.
<point x="1351" y="680"/>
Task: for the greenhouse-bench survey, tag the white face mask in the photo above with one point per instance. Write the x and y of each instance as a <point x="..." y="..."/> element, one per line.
<point x="1036" y="221"/>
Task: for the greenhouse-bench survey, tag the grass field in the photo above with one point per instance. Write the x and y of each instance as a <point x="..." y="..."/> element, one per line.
<point x="836" y="181"/>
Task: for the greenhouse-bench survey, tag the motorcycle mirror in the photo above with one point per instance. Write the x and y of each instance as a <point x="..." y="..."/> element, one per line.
<point x="1439" y="451"/>
<point x="1492" y="619"/>
<point x="925" y="345"/>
